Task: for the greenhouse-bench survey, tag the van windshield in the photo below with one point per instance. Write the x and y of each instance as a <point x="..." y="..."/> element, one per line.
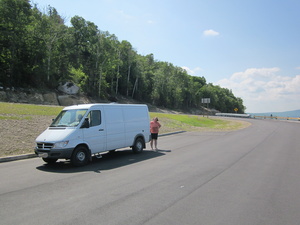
<point x="69" y="118"/>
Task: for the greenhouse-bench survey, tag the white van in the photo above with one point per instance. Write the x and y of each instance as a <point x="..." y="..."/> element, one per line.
<point x="82" y="131"/>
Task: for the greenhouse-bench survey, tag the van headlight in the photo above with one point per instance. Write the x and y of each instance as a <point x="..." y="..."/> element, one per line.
<point x="61" y="144"/>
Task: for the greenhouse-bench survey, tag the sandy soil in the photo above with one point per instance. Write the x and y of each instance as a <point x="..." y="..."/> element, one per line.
<point x="18" y="136"/>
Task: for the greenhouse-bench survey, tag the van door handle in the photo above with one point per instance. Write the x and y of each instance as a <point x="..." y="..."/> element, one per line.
<point x="101" y="129"/>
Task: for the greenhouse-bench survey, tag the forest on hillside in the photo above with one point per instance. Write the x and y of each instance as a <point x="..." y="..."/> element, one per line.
<point x="38" y="50"/>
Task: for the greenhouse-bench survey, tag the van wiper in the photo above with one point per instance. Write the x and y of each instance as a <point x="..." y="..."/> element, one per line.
<point x="58" y="125"/>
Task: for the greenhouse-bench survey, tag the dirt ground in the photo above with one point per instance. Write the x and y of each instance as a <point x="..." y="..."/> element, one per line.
<point x="18" y="136"/>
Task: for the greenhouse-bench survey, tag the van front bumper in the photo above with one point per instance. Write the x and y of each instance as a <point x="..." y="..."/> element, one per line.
<point x="65" y="153"/>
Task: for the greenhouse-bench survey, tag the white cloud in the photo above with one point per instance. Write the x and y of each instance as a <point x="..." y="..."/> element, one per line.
<point x="192" y="72"/>
<point x="210" y="33"/>
<point x="263" y="90"/>
<point x="124" y="17"/>
<point x="255" y="73"/>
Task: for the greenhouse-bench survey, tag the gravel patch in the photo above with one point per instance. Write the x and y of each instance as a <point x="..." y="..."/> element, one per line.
<point x="17" y="136"/>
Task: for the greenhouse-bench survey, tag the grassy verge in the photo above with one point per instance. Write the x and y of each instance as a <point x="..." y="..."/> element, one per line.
<point x="20" y="124"/>
<point x="9" y="109"/>
<point x="176" y="122"/>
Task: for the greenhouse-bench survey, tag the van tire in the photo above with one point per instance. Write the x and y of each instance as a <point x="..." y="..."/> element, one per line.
<point x="138" y="145"/>
<point x="80" y="156"/>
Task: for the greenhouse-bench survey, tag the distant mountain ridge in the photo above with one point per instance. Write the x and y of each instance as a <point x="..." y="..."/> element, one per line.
<point x="294" y="113"/>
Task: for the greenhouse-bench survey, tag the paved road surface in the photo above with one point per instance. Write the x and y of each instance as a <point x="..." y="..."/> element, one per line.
<point x="246" y="177"/>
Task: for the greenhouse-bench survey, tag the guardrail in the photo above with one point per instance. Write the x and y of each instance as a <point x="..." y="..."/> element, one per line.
<point x="233" y="115"/>
<point x="277" y="117"/>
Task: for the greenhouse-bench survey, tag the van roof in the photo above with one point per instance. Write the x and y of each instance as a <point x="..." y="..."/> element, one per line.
<point x="88" y="106"/>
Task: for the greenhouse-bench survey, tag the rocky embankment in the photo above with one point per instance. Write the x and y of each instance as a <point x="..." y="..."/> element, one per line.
<point x="32" y="96"/>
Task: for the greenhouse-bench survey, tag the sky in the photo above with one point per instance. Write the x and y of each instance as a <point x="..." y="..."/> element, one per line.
<point x="251" y="47"/>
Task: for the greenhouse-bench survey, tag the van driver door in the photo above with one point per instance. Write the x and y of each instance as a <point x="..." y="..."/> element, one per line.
<point x="95" y="134"/>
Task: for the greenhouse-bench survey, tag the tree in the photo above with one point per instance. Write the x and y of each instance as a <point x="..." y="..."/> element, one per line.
<point x="87" y="43"/>
<point x="15" y="16"/>
<point x="195" y="85"/>
<point x="50" y="30"/>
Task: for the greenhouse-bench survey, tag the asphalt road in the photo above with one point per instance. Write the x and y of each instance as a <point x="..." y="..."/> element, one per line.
<point x="251" y="176"/>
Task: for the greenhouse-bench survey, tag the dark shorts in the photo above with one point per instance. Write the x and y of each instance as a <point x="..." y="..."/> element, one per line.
<point x="154" y="136"/>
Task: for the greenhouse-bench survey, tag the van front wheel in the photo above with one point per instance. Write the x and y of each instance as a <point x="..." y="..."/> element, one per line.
<point x="80" y="156"/>
<point x="138" y="145"/>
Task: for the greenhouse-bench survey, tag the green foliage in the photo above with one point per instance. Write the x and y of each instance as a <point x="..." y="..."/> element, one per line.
<point x="15" y="17"/>
<point x="79" y="77"/>
<point x="38" y="50"/>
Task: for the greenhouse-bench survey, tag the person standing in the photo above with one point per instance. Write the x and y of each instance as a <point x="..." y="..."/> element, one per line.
<point x="154" y="129"/>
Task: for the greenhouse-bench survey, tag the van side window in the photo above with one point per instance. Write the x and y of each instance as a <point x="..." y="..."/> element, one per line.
<point x="94" y="118"/>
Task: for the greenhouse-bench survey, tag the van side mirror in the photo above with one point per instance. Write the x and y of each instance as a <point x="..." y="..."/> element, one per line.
<point x="86" y="123"/>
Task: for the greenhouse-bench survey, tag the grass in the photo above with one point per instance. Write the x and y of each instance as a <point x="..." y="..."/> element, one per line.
<point x="172" y="122"/>
<point x="8" y="109"/>
<point x="9" y="117"/>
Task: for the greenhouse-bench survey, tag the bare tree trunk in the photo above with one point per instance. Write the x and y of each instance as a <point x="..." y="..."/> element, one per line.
<point x="128" y="76"/>
<point x="48" y="68"/>
<point x="99" y="84"/>
<point x="49" y="48"/>
<point x="117" y="82"/>
<point x="135" y="86"/>
<point x="100" y="78"/>
<point x="117" y="85"/>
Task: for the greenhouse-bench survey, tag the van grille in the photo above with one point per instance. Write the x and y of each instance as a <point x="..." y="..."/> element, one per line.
<point x="44" y="145"/>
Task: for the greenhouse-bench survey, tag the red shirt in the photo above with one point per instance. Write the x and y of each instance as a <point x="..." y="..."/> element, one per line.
<point x="154" y="127"/>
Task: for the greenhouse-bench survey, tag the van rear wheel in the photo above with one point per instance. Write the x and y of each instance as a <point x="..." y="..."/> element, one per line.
<point x="80" y="156"/>
<point x="138" y="145"/>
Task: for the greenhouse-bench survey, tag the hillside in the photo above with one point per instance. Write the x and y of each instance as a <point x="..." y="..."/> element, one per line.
<point x="33" y="96"/>
<point x="95" y="61"/>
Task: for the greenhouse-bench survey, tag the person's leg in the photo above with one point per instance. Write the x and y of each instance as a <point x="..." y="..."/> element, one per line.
<point x="155" y="144"/>
<point x="151" y="141"/>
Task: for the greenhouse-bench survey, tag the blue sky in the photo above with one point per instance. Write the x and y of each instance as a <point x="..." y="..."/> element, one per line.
<point x="249" y="46"/>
